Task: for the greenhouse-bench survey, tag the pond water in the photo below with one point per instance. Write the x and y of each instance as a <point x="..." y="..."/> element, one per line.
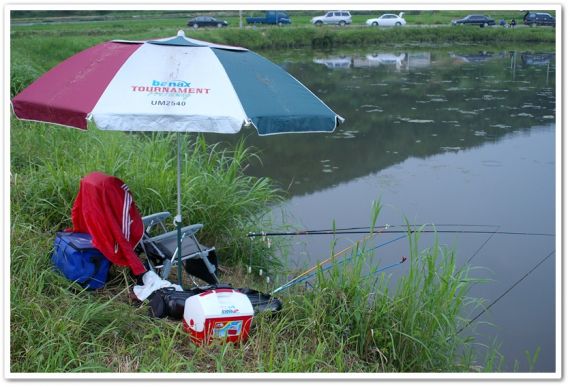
<point x="462" y="135"/>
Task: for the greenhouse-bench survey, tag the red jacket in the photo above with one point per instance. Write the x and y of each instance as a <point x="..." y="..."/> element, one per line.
<point x="104" y="208"/>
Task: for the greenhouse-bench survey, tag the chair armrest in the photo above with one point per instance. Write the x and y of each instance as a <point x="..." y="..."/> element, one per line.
<point x="186" y="231"/>
<point x="151" y="220"/>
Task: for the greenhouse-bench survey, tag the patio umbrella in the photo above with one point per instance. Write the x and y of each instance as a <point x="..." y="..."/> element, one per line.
<point x="175" y="84"/>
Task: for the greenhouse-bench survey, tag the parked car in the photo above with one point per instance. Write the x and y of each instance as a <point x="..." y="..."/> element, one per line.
<point x="476" y="20"/>
<point x="387" y="20"/>
<point x="534" y="19"/>
<point x="333" y="17"/>
<point x="206" y="21"/>
<point x="271" y="17"/>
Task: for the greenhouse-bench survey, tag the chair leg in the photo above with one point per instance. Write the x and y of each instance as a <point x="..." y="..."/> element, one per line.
<point x="204" y="256"/>
<point x="165" y="272"/>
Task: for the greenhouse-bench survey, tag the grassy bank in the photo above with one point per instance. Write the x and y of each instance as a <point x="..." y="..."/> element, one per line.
<point x="337" y="37"/>
<point x="292" y="36"/>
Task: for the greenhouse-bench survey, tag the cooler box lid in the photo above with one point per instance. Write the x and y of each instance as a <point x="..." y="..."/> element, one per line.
<point x="217" y="303"/>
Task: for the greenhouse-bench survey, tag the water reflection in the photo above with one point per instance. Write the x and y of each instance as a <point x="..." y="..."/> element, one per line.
<point x="530" y="59"/>
<point x="418" y="60"/>
<point x="385" y="59"/>
<point x="341" y="62"/>
<point x="394" y="60"/>
<point x="481" y="56"/>
<point x="400" y="105"/>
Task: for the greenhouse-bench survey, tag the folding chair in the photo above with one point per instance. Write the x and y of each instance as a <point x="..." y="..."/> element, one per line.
<point x="160" y="247"/>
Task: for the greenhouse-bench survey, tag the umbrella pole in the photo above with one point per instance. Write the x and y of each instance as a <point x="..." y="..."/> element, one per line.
<point x="178" y="219"/>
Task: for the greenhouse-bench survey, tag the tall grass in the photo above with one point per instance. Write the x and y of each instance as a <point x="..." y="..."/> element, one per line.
<point x="56" y="327"/>
<point x="48" y="162"/>
<point x="350" y="321"/>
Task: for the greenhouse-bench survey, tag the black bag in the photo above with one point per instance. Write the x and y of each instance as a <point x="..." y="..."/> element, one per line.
<point x="167" y="302"/>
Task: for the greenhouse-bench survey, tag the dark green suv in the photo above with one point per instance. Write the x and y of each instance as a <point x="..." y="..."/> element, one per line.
<point x="534" y="19"/>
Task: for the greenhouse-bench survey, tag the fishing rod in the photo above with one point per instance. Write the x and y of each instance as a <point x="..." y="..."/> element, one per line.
<point x="292" y="282"/>
<point x="359" y="230"/>
<point x="381" y="231"/>
<point x="307" y="275"/>
<point x="483" y="245"/>
<point x="507" y="291"/>
<point x="344" y="261"/>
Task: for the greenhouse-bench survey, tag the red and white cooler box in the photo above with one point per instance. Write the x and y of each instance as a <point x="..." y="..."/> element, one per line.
<point x="222" y="315"/>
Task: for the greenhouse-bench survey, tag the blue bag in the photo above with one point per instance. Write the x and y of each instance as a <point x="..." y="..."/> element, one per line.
<point x="78" y="260"/>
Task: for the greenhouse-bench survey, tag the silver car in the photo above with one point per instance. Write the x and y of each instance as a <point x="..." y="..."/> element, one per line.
<point x="340" y="18"/>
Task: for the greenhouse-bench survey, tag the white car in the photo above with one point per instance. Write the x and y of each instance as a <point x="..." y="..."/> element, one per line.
<point x="333" y="17"/>
<point x="387" y="20"/>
